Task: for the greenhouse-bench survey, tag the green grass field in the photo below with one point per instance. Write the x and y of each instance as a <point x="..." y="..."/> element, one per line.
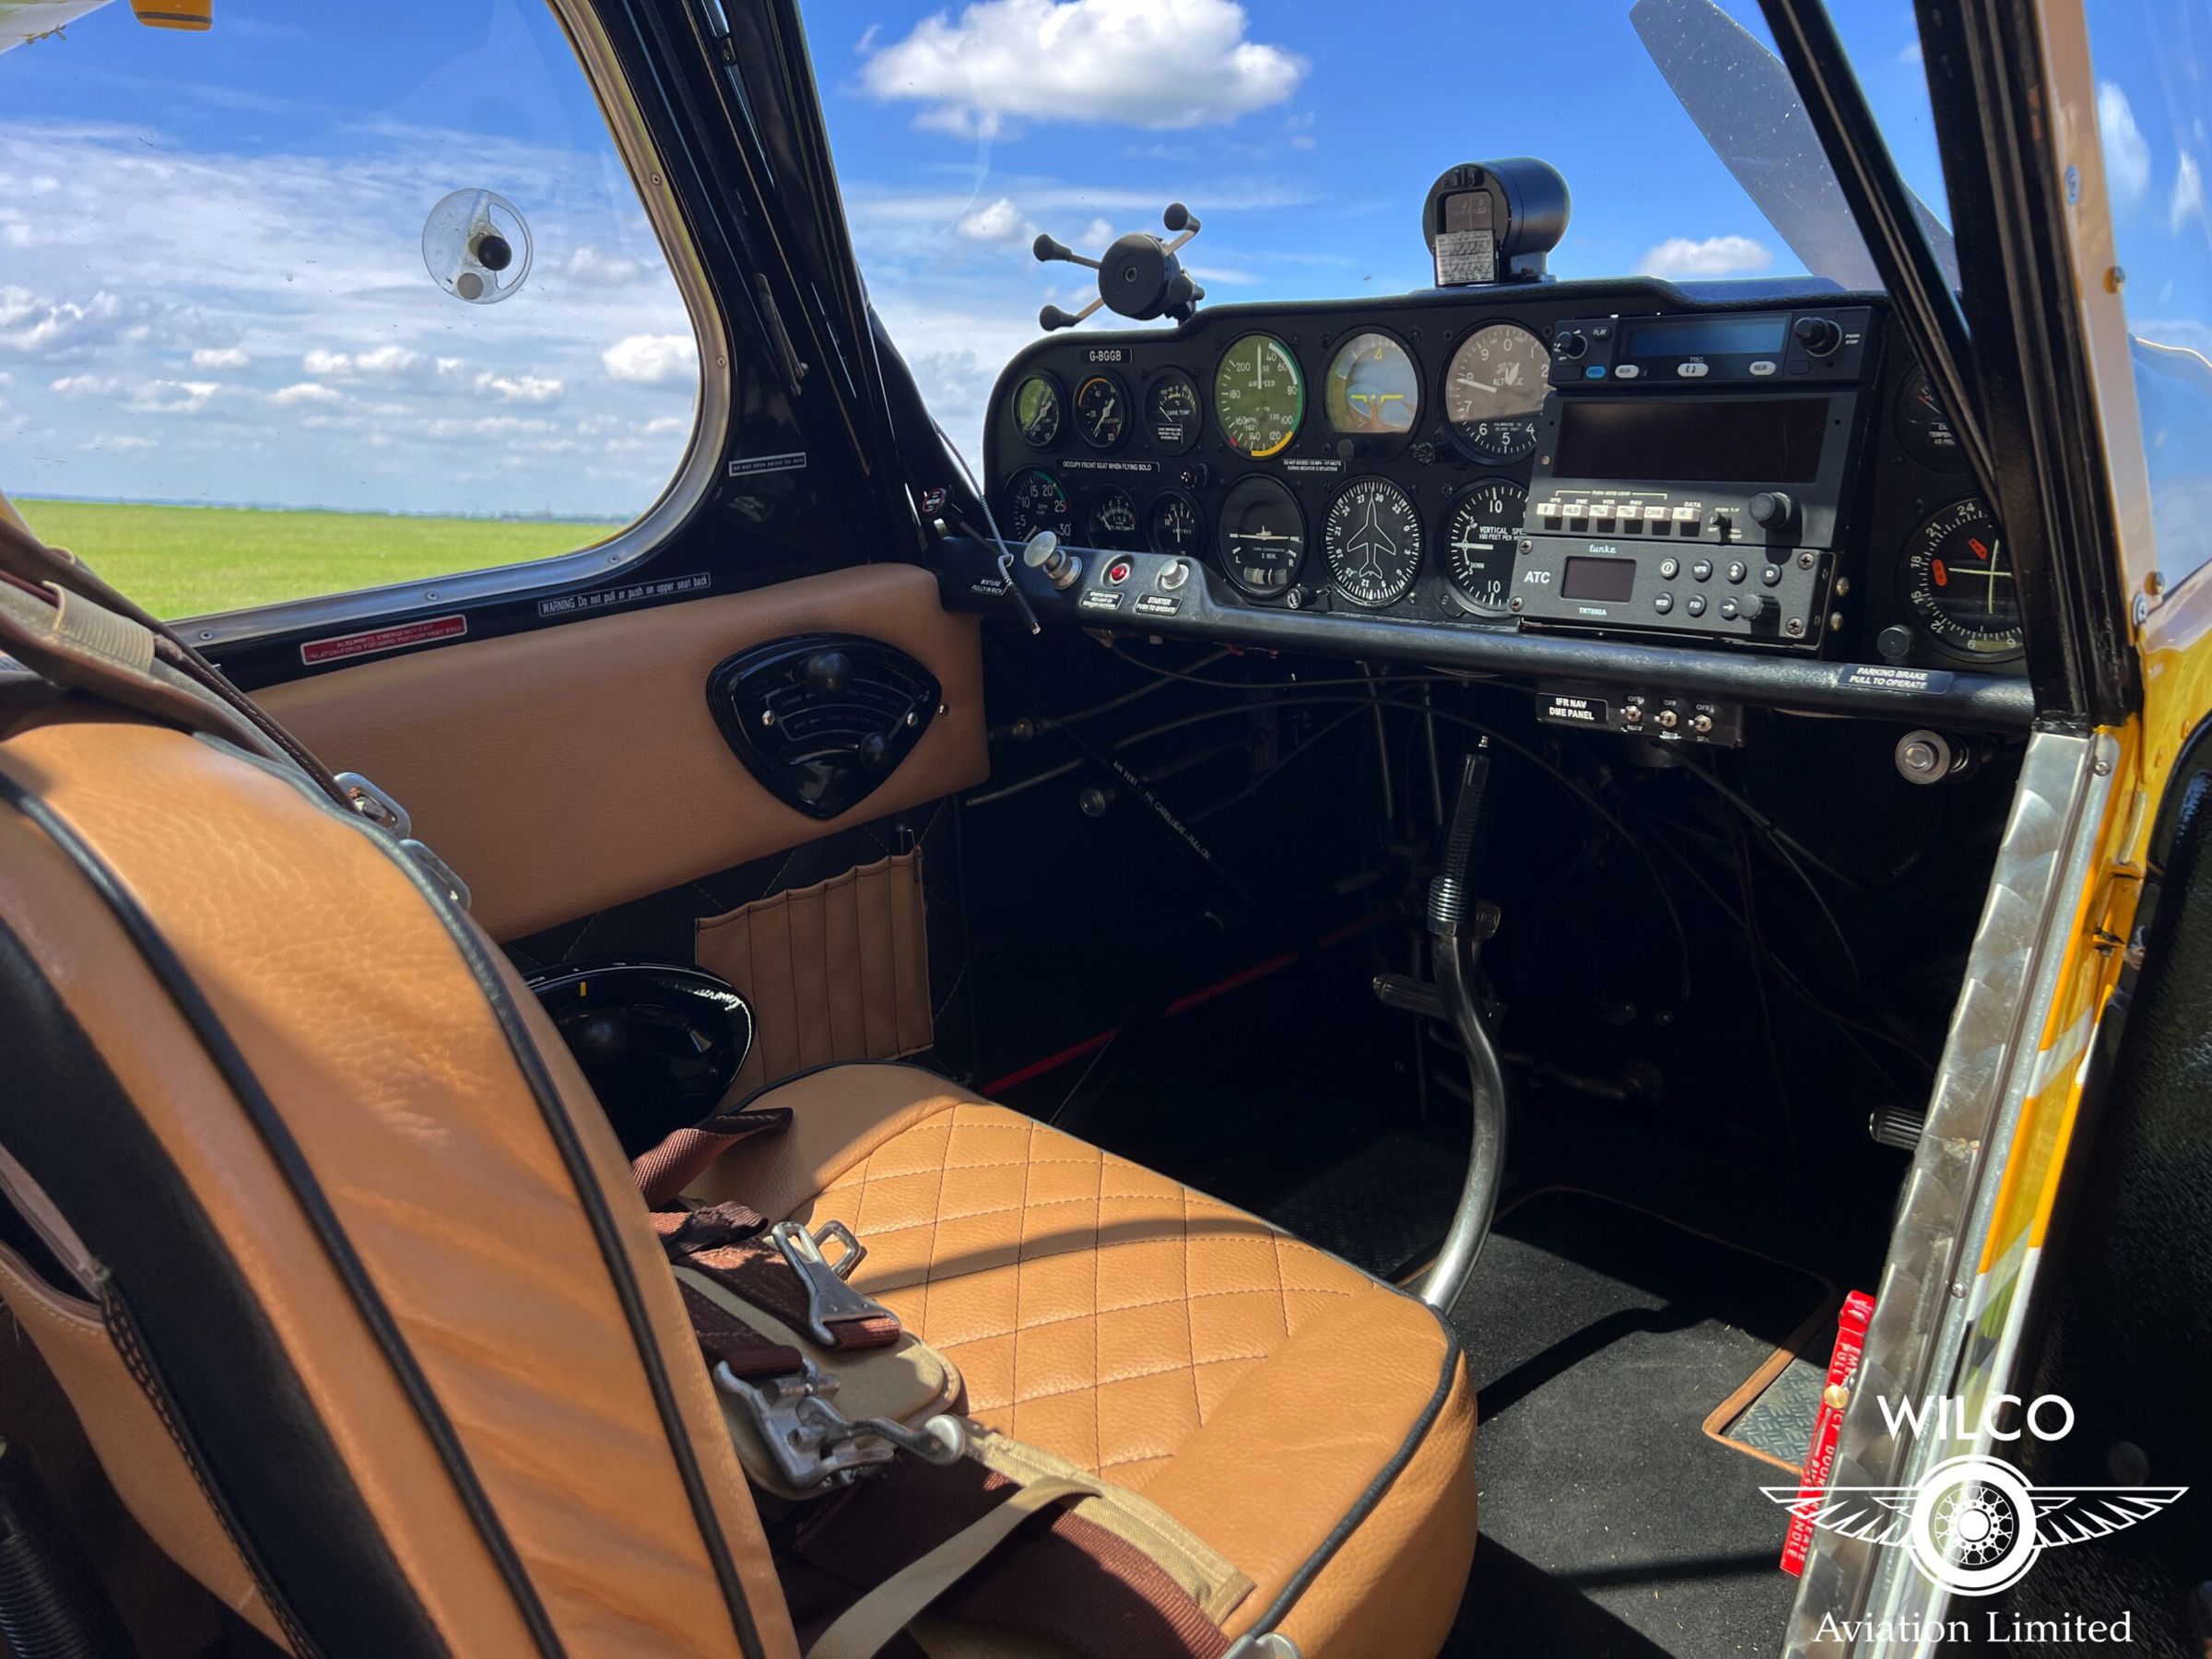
<point x="185" y="561"/>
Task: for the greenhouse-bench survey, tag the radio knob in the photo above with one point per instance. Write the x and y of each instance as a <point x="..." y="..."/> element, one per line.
<point x="1572" y="344"/>
<point x="1772" y="510"/>
<point x="1819" y="335"/>
<point x="1750" y="606"/>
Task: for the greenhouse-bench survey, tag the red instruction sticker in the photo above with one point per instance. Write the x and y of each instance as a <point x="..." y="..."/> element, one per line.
<point x="383" y="639"/>
<point x="1820" y="1457"/>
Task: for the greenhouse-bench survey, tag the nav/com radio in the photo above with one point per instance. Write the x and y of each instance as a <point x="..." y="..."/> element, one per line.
<point x="1690" y="473"/>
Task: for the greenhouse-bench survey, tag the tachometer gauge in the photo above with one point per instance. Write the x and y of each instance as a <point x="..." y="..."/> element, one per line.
<point x="1373" y="387"/>
<point x="1493" y="390"/>
<point x="1173" y="526"/>
<point x="1037" y="410"/>
<point x="1113" y="520"/>
<point x="1262" y="538"/>
<point x="1172" y="412"/>
<point x="1962" y="581"/>
<point x="1102" y="411"/>
<point x="1925" y="431"/>
<point x="1259" y="396"/>
<point x="1371" y="538"/>
<point x="1034" y="500"/>
<point x="1479" y="537"/>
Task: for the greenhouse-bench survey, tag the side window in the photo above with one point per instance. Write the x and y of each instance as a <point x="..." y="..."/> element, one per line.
<point x="319" y="298"/>
<point x="2154" y="117"/>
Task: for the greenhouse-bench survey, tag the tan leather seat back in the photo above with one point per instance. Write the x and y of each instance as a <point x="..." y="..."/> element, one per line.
<point x="357" y="1238"/>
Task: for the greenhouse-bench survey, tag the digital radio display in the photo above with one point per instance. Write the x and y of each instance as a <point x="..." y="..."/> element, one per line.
<point x="1705" y="336"/>
<point x="1750" y="440"/>
<point x="1585" y="578"/>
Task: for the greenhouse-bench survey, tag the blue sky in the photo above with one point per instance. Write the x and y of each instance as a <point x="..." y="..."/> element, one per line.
<point x="211" y="287"/>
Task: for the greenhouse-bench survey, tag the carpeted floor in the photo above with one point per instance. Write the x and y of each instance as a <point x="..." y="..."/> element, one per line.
<point x="1601" y="1338"/>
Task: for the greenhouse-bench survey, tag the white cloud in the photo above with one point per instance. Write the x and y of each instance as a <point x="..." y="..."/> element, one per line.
<point x="517" y="388"/>
<point x="1097" y="235"/>
<point x="85" y="385"/>
<point x="219" y="357"/>
<point x="173" y="397"/>
<point x="1715" y="257"/>
<point x="1148" y="62"/>
<point x="652" y="359"/>
<point x="999" y="222"/>
<point x="589" y="266"/>
<point x="2188" y="201"/>
<point x="2127" y="156"/>
<point x="305" y="392"/>
<point x="1911" y="54"/>
<point x="326" y="363"/>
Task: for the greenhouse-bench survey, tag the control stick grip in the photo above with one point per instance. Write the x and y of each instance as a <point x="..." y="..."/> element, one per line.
<point x="1451" y="894"/>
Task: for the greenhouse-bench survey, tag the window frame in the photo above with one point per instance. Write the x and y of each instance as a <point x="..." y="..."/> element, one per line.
<point x="687" y="487"/>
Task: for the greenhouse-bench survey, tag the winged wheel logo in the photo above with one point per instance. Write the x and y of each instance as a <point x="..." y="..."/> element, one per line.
<point x="1975" y="1524"/>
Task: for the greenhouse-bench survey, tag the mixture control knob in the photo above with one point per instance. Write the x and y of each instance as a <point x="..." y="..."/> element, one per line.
<point x="1772" y="510"/>
<point x="1042" y="552"/>
<point x="1572" y="344"/>
<point x="1819" y="335"/>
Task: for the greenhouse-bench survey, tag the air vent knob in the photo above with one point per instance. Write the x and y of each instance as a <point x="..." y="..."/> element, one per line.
<point x="829" y="672"/>
<point x="874" y="751"/>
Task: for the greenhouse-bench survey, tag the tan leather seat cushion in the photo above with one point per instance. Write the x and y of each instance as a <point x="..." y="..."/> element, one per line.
<point x="1255" y="1388"/>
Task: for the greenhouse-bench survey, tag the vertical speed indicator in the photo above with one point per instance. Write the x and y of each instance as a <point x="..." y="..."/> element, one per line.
<point x="1259" y="396"/>
<point x="1479" y="537"/>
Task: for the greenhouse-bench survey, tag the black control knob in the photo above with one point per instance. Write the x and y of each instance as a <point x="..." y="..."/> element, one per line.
<point x="874" y="751"/>
<point x="1819" y="335"/>
<point x="1751" y="606"/>
<point x="829" y="672"/>
<point x="1572" y="344"/>
<point x="1772" y="510"/>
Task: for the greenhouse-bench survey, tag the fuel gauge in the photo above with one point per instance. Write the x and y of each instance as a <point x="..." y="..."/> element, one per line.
<point x="1174" y="526"/>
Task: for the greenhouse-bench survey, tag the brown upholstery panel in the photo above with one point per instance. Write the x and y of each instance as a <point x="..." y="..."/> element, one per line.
<point x="361" y="1019"/>
<point x="572" y="767"/>
<point x="1256" y="1389"/>
<point x="838" y="971"/>
<point x="150" y="1474"/>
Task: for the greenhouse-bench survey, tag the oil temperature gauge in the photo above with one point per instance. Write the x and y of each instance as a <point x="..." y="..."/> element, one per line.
<point x="1479" y="536"/>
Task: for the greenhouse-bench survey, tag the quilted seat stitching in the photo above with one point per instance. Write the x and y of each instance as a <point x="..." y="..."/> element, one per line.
<point x="1114" y="1178"/>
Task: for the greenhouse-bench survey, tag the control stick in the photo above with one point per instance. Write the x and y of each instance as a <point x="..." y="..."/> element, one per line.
<point x="1458" y="923"/>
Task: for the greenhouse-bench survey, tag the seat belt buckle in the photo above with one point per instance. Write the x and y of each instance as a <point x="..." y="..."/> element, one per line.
<point x="389" y="816"/>
<point x="830" y="1301"/>
<point x="816" y="1447"/>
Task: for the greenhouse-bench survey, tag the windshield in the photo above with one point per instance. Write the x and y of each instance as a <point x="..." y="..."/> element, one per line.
<point x="1306" y="136"/>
